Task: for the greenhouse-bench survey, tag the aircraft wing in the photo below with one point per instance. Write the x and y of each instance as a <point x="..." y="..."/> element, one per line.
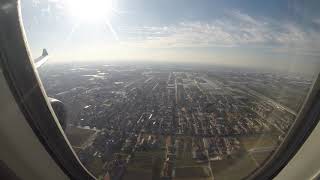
<point x="42" y="59"/>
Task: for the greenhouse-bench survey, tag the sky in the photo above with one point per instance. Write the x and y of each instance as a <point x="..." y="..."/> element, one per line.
<point x="281" y="34"/>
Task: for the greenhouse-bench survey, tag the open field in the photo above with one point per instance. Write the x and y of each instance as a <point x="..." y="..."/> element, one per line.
<point x="95" y="166"/>
<point x="259" y="148"/>
<point x="261" y="157"/>
<point x="142" y="165"/>
<point x="262" y="141"/>
<point x="195" y="178"/>
<point x="232" y="169"/>
<point x="77" y="136"/>
<point x="193" y="171"/>
<point x="137" y="174"/>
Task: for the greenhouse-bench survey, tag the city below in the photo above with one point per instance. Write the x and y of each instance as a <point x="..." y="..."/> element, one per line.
<point x="143" y="122"/>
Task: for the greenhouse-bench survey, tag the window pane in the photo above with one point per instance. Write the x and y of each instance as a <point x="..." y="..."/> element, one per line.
<point x="181" y="89"/>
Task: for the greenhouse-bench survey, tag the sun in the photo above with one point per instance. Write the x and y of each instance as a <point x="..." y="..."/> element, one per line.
<point x="91" y="10"/>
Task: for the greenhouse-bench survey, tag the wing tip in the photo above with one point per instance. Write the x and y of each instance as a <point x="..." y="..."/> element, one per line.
<point x="44" y="52"/>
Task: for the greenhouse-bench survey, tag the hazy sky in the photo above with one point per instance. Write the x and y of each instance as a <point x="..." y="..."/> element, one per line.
<point x="272" y="33"/>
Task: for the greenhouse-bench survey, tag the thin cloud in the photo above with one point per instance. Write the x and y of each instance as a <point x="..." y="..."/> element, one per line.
<point x="234" y="30"/>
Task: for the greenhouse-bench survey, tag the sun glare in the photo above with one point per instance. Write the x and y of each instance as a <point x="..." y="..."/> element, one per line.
<point x="91" y="10"/>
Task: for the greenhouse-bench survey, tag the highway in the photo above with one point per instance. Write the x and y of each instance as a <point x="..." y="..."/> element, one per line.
<point x="269" y="100"/>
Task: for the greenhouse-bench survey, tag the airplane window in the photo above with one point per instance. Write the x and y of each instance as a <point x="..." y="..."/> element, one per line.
<point x="176" y="89"/>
